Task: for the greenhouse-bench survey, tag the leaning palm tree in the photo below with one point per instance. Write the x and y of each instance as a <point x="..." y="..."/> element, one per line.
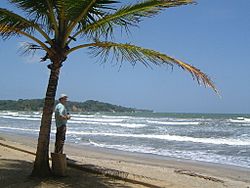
<point x="60" y="27"/>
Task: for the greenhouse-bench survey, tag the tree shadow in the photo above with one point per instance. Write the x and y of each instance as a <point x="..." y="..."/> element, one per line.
<point x="16" y="173"/>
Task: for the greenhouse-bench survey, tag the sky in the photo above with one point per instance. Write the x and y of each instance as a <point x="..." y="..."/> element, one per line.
<point x="213" y="35"/>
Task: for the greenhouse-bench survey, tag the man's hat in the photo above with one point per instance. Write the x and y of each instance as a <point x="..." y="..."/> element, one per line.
<point x="63" y="96"/>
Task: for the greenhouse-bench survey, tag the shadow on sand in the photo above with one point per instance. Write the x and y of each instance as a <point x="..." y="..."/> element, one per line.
<point x="16" y="173"/>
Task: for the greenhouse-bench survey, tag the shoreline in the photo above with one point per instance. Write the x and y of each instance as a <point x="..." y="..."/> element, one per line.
<point x="166" y="170"/>
<point x="31" y="141"/>
<point x="130" y="154"/>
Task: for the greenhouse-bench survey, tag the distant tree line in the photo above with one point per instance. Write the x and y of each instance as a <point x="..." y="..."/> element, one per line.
<point x="87" y="106"/>
<point x="22" y="105"/>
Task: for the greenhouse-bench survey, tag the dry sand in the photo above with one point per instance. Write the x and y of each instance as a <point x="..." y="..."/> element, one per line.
<point x="139" y="170"/>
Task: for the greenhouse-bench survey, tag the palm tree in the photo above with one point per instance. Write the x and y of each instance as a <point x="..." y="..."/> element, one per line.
<point x="53" y="26"/>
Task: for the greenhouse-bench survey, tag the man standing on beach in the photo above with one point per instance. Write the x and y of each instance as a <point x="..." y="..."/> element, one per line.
<point x="61" y="117"/>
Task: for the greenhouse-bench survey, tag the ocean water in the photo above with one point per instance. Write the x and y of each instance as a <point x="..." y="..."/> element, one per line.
<point x="215" y="138"/>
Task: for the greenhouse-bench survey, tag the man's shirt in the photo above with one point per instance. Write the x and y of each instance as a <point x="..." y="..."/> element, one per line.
<point x="60" y="110"/>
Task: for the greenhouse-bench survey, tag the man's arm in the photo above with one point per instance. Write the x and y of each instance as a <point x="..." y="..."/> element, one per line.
<point x="64" y="117"/>
<point x="62" y="114"/>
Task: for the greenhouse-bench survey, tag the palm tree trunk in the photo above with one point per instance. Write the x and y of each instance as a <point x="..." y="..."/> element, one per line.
<point x="41" y="166"/>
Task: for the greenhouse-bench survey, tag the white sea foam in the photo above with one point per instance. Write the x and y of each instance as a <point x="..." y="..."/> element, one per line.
<point x="96" y="119"/>
<point x="21" y="118"/>
<point x="221" y="141"/>
<point x="191" y="155"/>
<point x="141" y="149"/>
<point x="96" y="116"/>
<point x="82" y="115"/>
<point x="122" y="117"/>
<point x="20" y="129"/>
<point x="9" y="113"/>
<point x="173" y="122"/>
<point x="129" y="125"/>
<point x="240" y="120"/>
<point x="20" y="115"/>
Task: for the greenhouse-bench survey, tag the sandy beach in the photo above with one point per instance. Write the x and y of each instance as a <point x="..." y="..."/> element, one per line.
<point x="137" y="170"/>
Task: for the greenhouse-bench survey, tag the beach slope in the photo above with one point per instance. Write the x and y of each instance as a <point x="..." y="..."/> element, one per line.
<point x="133" y="170"/>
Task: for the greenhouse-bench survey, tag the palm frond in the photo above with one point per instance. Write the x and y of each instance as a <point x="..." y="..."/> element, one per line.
<point x="37" y="10"/>
<point x="135" y="54"/>
<point x="28" y="48"/>
<point x="34" y="8"/>
<point x="11" y="23"/>
<point x="84" y="12"/>
<point x="130" y="15"/>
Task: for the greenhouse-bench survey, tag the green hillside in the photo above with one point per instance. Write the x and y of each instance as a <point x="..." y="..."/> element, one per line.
<point x="87" y="106"/>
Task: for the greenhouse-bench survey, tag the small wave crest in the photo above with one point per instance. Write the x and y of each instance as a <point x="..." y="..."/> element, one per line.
<point x="128" y="125"/>
<point x="20" y="129"/>
<point x="240" y="120"/>
<point x="191" y="155"/>
<point x="21" y="118"/>
<point x="20" y="115"/>
<point x="96" y="119"/>
<point x="173" y="122"/>
<point x="220" y="141"/>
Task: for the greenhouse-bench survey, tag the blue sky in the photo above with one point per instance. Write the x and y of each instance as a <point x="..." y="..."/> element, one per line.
<point x="213" y="35"/>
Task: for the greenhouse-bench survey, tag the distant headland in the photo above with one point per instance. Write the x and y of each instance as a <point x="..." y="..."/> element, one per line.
<point x="87" y="106"/>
